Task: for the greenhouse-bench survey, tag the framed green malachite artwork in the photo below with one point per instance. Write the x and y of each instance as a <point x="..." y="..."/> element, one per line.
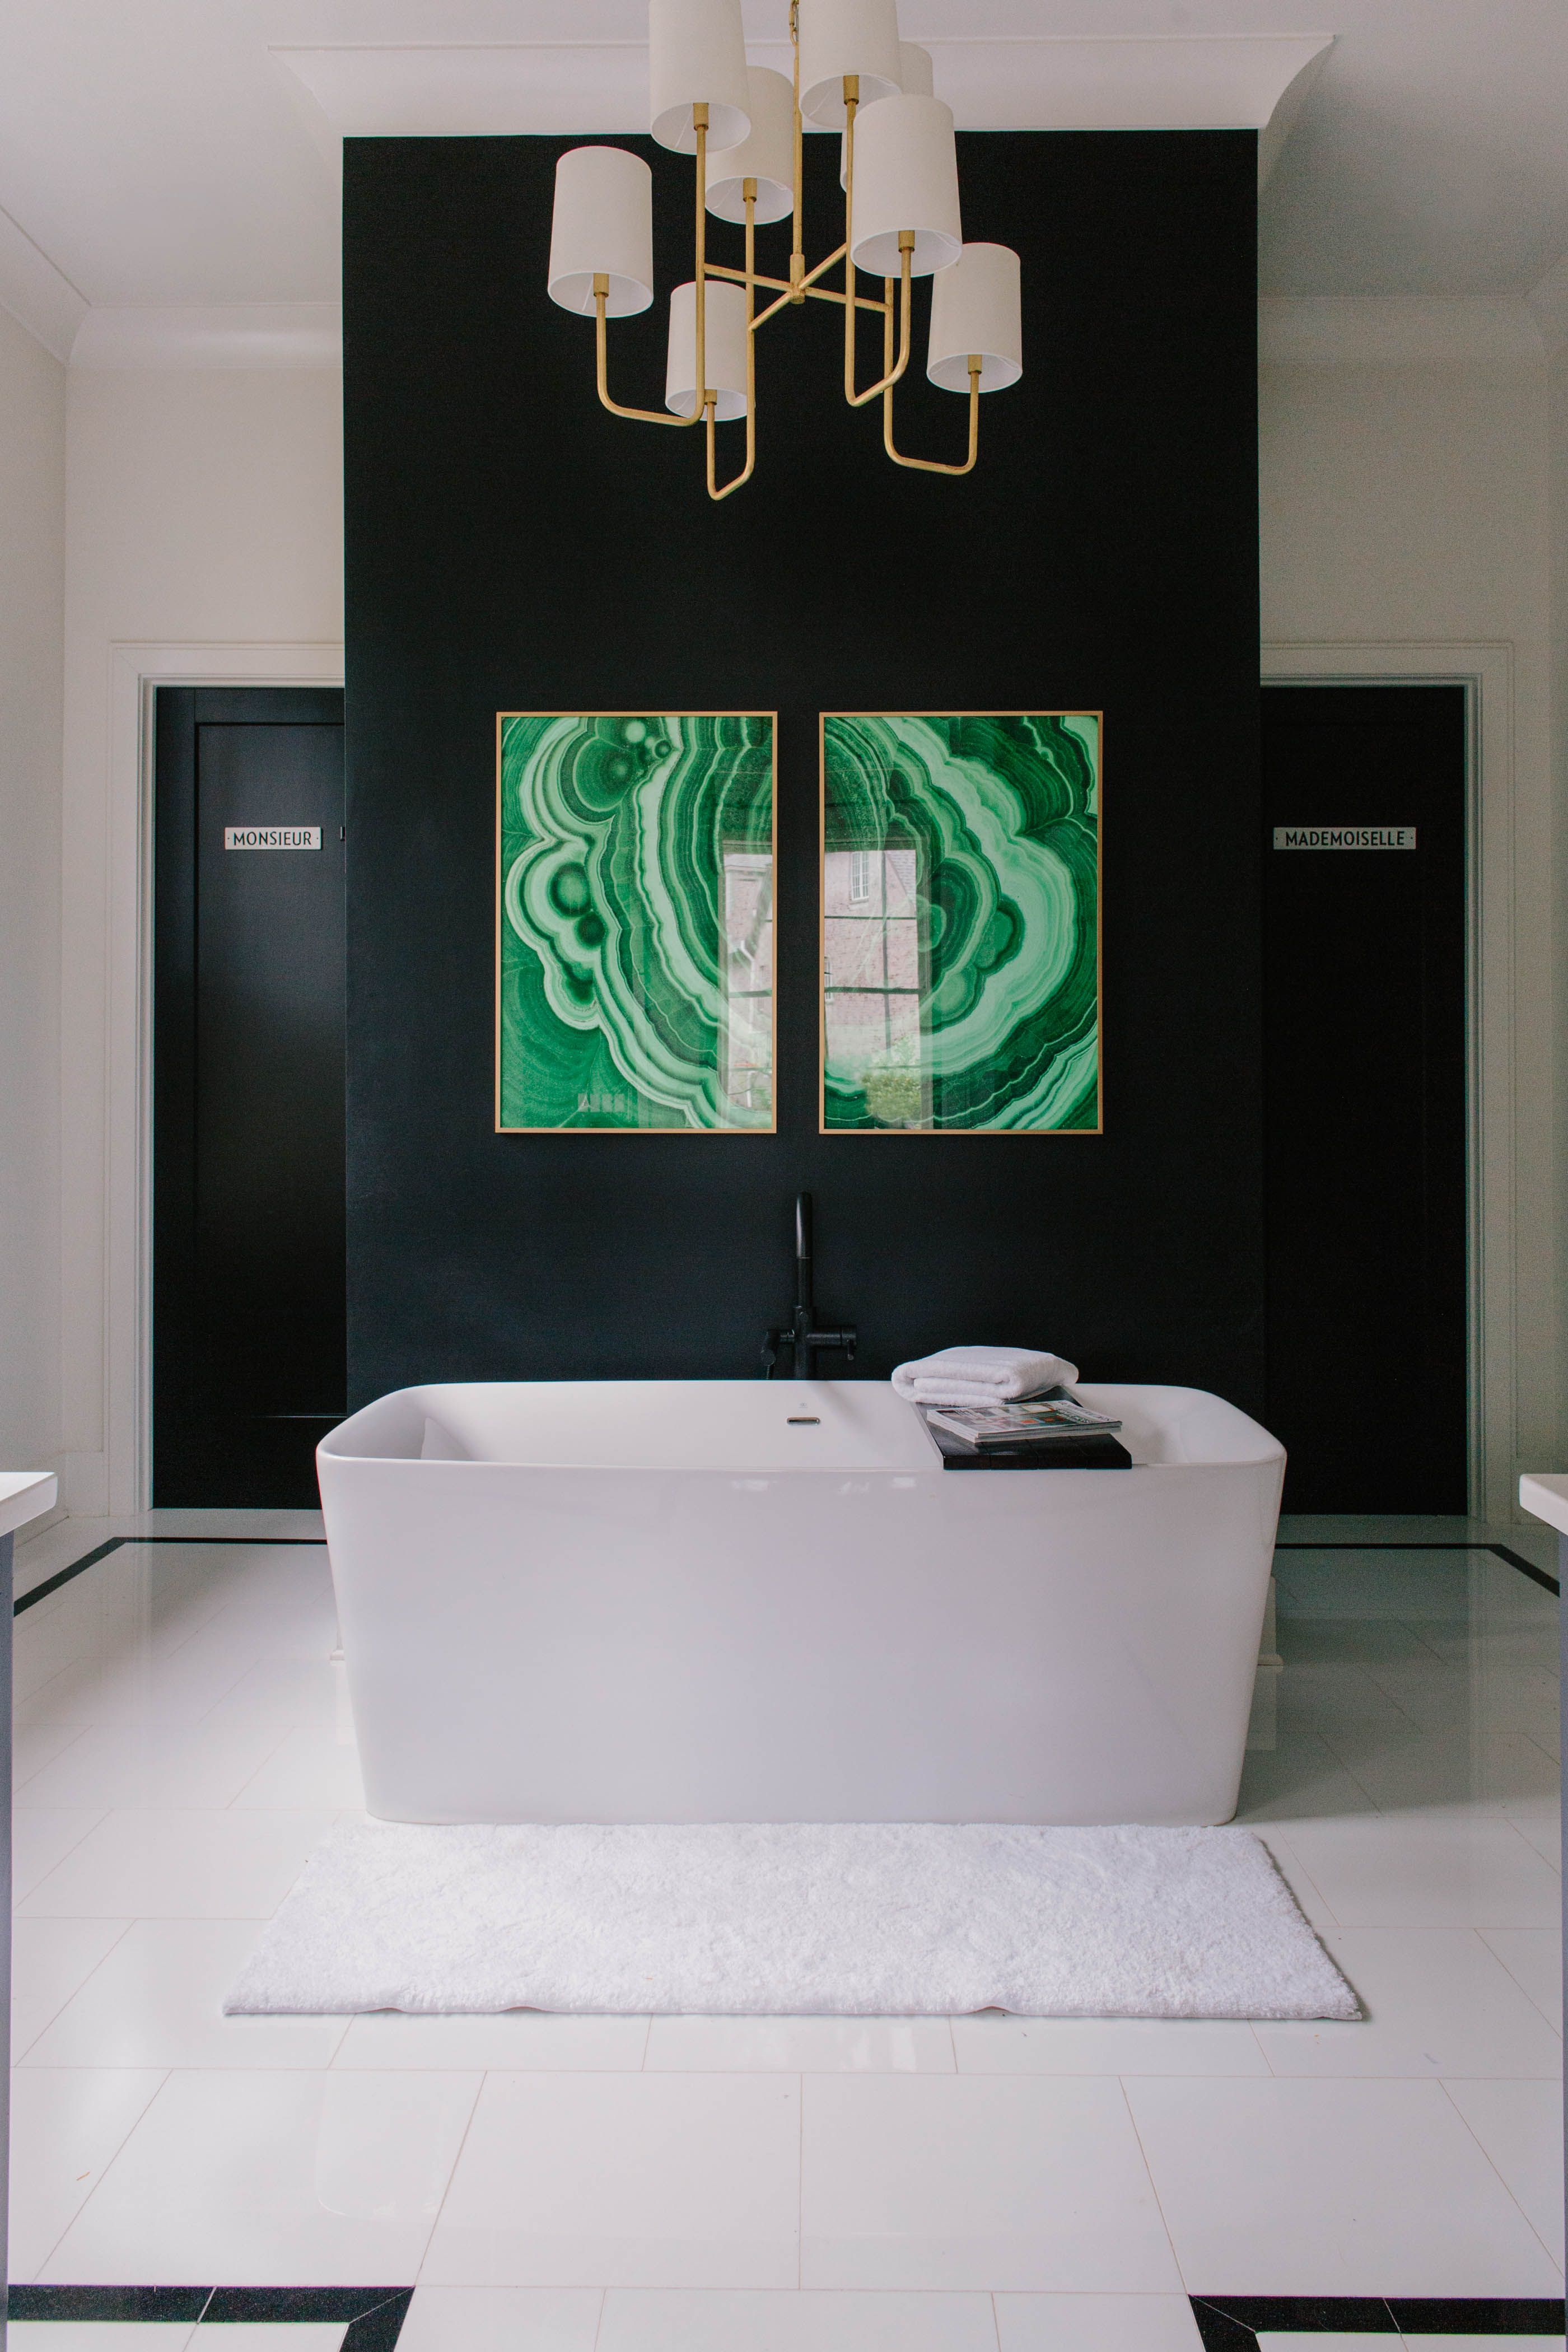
<point x="961" y="923"/>
<point x="635" y="922"/>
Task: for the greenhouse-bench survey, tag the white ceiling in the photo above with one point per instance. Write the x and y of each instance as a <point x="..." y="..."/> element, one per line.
<point x="162" y="153"/>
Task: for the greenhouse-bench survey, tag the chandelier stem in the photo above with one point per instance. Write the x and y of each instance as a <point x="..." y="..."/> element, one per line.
<point x="797" y="247"/>
<point x="932" y="464"/>
<point x="851" y="107"/>
<point x="699" y="126"/>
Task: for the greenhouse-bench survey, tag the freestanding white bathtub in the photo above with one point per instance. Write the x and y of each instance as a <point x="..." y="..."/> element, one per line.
<point x="672" y="1601"/>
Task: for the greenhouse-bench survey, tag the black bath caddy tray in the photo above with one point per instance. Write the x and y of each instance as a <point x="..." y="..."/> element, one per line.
<point x="1092" y="1452"/>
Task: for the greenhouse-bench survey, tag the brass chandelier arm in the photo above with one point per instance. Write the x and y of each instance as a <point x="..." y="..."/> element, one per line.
<point x="892" y="368"/>
<point x="601" y="297"/>
<point x="749" y="189"/>
<point x="641" y="415"/>
<point x="932" y="465"/>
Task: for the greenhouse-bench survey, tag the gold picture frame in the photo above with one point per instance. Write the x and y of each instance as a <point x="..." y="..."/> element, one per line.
<point x="619" y="1003"/>
<point x="911" y="1078"/>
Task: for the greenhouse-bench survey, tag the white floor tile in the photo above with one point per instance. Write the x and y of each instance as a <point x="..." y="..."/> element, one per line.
<point x="1284" y="2339"/>
<point x="1100" y="2323"/>
<point x="1540" y="1819"/>
<point x="1534" y="1958"/>
<point x="157" y="2000"/>
<point x="995" y="2045"/>
<point x="625" y="2180"/>
<point x="293" y="1692"/>
<point x="800" y="2046"/>
<point x="310" y="1765"/>
<point x="667" y="2321"/>
<point x="972" y="2182"/>
<point x="1439" y="2001"/>
<point x="65" y="2128"/>
<point x="1519" y="2124"/>
<point x="274" y="2179"/>
<point x="40" y="1837"/>
<point x="501" y="2319"/>
<point x="266" y="2336"/>
<point x="1332" y="2188"/>
<point x="175" y="1866"/>
<point x="522" y="2041"/>
<point x="98" y="2336"/>
<point x="1279" y="1839"/>
<point x="50" y="1961"/>
<point x="36" y="1741"/>
<point x="1440" y="1869"/>
<point x="1464" y="1766"/>
<point x="1300" y="1779"/>
<point x="1466" y="2342"/>
<point x="164" y="1692"/>
<point x="175" y="1768"/>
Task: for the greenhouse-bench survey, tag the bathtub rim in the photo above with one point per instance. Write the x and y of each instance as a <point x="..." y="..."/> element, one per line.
<point x="1268" y="1449"/>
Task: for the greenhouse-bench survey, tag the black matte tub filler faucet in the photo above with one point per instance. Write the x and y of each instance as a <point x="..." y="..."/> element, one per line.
<point x="799" y="1334"/>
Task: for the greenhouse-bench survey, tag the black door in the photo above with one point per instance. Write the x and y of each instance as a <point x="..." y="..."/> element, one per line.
<point x="248" y="1333"/>
<point x="1364" y="1094"/>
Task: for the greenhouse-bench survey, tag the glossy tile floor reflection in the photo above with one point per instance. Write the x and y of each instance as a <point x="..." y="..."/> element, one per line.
<point x="778" y="2185"/>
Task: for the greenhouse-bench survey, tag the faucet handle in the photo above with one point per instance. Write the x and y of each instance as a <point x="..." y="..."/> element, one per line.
<point x="770" y="1354"/>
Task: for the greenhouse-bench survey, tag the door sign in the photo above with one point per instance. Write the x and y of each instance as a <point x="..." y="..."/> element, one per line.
<point x="1344" y="837"/>
<point x="272" y="836"/>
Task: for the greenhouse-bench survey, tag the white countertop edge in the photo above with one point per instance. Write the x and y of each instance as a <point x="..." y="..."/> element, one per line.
<point x="24" y="1494"/>
<point x="1546" y="1497"/>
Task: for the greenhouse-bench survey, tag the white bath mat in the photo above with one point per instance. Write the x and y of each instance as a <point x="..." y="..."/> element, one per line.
<point x="856" y="1920"/>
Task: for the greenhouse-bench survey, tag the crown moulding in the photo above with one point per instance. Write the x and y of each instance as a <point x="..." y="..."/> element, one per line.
<point x="1206" y="83"/>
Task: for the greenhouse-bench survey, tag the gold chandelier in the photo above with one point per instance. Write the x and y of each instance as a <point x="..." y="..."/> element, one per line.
<point x="745" y="126"/>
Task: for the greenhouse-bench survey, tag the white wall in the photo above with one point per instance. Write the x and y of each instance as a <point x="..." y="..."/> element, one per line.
<point x="1409" y="503"/>
<point x="1557" y="465"/>
<point x="32" y="571"/>
<point x="203" y="509"/>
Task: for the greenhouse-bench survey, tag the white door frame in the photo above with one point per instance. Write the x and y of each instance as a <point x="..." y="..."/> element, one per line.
<point x="137" y="671"/>
<point x="1485" y="670"/>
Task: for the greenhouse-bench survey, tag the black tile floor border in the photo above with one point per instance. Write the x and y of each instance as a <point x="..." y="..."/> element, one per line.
<point x="90" y="1559"/>
<point x="375" y="2314"/>
<point x="1498" y="1551"/>
<point x="1231" y="2323"/>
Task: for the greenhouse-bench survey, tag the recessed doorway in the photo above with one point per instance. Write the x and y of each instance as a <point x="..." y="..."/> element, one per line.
<point x="248" y="1317"/>
<point x="1364" y="802"/>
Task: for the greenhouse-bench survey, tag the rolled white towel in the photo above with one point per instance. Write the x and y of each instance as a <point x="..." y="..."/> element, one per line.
<point x="981" y="1375"/>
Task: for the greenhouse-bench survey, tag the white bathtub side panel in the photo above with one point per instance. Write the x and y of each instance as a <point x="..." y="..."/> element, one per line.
<point x="625" y="1645"/>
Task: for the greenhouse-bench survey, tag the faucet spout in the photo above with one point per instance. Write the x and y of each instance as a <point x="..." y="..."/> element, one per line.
<point x="800" y="1334"/>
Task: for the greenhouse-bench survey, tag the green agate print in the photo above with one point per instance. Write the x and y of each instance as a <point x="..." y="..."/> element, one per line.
<point x="961" y="923"/>
<point x="634" y="970"/>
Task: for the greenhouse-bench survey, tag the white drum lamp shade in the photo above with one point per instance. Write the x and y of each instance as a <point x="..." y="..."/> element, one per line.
<point x="697" y="56"/>
<point x="603" y="226"/>
<point x="767" y="156"/>
<point x="918" y="82"/>
<point x="847" y="37"/>
<point x="917" y="76"/>
<point x="974" y="307"/>
<point x="906" y="177"/>
<point x="725" y="327"/>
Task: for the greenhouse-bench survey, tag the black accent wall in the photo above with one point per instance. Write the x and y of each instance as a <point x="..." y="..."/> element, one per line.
<point x="513" y="546"/>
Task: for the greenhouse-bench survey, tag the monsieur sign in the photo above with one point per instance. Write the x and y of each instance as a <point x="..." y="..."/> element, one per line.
<point x="1344" y="837"/>
<point x="272" y="836"/>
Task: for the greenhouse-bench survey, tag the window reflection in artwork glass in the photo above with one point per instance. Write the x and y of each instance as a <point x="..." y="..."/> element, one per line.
<point x="959" y="903"/>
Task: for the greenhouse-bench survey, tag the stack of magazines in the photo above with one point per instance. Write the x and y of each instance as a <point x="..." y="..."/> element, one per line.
<point x="1032" y="1421"/>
